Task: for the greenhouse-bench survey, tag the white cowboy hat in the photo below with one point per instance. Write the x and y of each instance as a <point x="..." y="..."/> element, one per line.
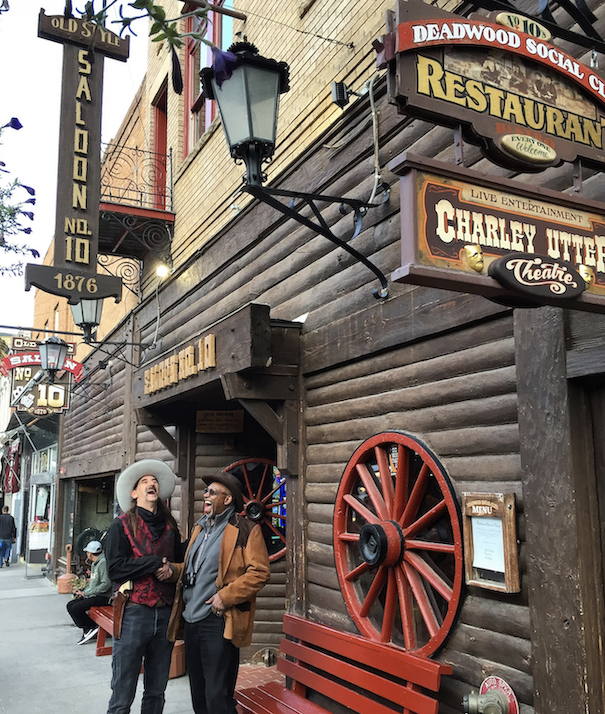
<point x="147" y="467"/>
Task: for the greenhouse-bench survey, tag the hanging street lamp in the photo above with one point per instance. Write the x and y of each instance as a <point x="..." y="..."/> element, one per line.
<point x="87" y="316"/>
<point x="246" y="87"/>
<point x="53" y="352"/>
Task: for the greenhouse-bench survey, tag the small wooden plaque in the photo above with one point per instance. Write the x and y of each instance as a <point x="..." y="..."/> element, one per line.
<point x="490" y="541"/>
<point x="211" y="421"/>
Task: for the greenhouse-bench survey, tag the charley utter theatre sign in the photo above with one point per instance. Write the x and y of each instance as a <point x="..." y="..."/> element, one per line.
<point x="525" y="101"/>
<point x="463" y="230"/>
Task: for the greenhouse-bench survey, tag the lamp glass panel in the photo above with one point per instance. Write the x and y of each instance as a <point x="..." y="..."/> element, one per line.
<point x="233" y="107"/>
<point x="87" y="312"/>
<point x="263" y="93"/>
<point x="52" y="354"/>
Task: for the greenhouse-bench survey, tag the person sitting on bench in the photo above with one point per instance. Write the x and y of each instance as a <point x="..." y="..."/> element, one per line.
<point x="96" y="593"/>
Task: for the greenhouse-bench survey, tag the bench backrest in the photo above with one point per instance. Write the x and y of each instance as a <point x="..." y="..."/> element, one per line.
<point x="356" y="672"/>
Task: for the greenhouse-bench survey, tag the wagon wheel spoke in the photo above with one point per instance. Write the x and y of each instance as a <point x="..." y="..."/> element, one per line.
<point x="274" y="529"/>
<point x="422" y="598"/>
<point x="275" y="490"/>
<point x="356" y="572"/>
<point x="372" y="489"/>
<point x="412" y="544"/>
<point x="390" y="602"/>
<point x="361" y="509"/>
<point x="382" y="459"/>
<point x="374" y="591"/>
<point x="416" y="496"/>
<point x="426" y="520"/>
<point x="249" y="493"/>
<point x="349" y="537"/>
<point x="259" y="492"/>
<point x="430" y="575"/>
<point x="401" y="482"/>
<point x="405" y="608"/>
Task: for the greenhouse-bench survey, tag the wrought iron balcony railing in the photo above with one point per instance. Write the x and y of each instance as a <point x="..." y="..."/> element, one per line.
<point x="136" y="177"/>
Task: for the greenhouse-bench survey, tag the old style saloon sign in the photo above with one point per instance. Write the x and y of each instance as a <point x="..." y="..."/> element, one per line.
<point x="528" y="105"/>
<point x="73" y="273"/>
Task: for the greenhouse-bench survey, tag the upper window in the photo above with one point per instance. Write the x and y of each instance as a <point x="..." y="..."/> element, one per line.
<point x="200" y="112"/>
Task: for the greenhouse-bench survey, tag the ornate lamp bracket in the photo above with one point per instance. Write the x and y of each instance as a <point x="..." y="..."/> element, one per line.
<point x="360" y="209"/>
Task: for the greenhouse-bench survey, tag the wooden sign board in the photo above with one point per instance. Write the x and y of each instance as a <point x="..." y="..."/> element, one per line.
<point x="527" y="103"/>
<point x="456" y="223"/>
<point x="490" y="541"/>
<point x="73" y="274"/>
<point x="211" y="421"/>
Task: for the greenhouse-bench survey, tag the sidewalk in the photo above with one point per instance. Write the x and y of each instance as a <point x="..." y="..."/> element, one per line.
<point x="42" y="669"/>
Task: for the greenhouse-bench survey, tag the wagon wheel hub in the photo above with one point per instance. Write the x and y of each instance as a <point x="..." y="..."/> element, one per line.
<point x="381" y="543"/>
<point x="255" y="511"/>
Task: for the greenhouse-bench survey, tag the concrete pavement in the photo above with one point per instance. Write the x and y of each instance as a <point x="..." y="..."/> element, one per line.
<point x="42" y="669"/>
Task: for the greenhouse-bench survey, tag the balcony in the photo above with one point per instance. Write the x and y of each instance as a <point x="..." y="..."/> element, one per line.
<point x="136" y="208"/>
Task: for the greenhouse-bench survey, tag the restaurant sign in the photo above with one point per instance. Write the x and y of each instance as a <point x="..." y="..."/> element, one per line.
<point x="527" y="103"/>
<point x="462" y="230"/>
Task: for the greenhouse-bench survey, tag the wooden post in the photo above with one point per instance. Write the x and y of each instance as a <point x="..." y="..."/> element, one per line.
<point x="564" y="633"/>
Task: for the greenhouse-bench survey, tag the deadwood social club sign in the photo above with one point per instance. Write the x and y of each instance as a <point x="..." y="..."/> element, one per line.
<point x="526" y="102"/>
<point x="73" y="273"/>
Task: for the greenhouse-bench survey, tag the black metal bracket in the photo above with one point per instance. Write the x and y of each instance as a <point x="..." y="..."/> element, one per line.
<point x="360" y="209"/>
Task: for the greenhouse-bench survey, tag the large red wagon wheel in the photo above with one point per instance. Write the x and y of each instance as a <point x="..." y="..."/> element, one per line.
<point x="398" y="543"/>
<point x="264" y="490"/>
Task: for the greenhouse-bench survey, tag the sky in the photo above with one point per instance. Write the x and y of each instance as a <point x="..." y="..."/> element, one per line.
<point x="30" y="89"/>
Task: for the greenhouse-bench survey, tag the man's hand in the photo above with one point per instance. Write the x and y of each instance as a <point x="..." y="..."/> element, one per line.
<point x="216" y="605"/>
<point x="165" y="571"/>
<point x="79" y="593"/>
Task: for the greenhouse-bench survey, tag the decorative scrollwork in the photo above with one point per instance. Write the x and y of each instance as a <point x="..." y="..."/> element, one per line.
<point x="134" y="176"/>
<point x="127" y="269"/>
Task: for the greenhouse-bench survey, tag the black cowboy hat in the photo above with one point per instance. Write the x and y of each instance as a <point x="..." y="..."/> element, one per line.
<point x="232" y="483"/>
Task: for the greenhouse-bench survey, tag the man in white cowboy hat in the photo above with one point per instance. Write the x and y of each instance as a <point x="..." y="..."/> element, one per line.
<point x="139" y="546"/>
<point x="226" y="564"/>
<point x="95" y="594"/>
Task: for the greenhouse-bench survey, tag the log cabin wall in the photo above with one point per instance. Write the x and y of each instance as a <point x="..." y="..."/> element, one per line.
<point x="456" y="392"/>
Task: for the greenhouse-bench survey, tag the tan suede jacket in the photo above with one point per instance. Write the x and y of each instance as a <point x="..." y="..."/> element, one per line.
<point x="243" y="570"/>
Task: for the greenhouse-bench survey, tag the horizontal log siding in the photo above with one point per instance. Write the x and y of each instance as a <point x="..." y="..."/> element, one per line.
<point x="456" y="392"/>
<point x="94" y="423"/>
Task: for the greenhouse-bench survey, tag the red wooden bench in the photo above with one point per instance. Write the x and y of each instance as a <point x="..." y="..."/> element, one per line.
<point x="103" y="617"/>
<point x="365" y="676"/>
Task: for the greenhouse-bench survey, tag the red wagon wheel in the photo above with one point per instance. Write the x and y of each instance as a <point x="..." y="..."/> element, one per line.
<point x="398" y="543"/>
<point x="264" y="490"/>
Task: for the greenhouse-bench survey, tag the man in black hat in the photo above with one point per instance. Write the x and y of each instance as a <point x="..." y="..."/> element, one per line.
<point x="226" y="564"/>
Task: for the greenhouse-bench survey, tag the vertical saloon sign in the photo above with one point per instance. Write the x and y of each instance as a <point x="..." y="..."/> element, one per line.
<point x="73" y="274"/>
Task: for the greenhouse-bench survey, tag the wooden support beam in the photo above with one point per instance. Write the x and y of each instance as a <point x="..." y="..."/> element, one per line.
<point x="266" y="417"/>
<point x="164" y="438"/>
<point x="557" y="507"/>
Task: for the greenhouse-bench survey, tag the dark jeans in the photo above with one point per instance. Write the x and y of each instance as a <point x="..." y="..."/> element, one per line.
<point x="143" y="638"/>
<point x="212" y="665"/>
<point x="79" y="607"/>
